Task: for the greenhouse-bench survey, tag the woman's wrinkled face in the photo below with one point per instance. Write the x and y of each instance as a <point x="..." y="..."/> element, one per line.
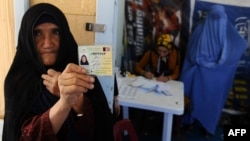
<point x="47" y="40"/>
<point x="162" y="51"/>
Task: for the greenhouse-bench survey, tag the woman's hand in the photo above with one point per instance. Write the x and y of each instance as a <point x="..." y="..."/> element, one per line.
<point x="148" y="75"/>
<point x="163" y="78"/>
<point x="117" y="107"/>
<point x="73" y="82"/>
<point x="50" y="80"/>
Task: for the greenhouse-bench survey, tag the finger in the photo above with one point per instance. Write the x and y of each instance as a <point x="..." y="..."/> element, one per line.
<point x="76" y="79"/>
<point x="46" y="83"/>
<point x="45" y="77"/>
<point x="73" y="89"/>
<point x="117" y="112"/>
<point x="74" y="76"/>
<point x="76" y="82"/>
<point x="75" y="68"/>
<point x="52" y="72"/>
<point x="49" y="78"/>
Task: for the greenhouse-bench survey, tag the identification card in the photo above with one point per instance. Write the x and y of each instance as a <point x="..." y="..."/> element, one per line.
<point x="97" y="59"/>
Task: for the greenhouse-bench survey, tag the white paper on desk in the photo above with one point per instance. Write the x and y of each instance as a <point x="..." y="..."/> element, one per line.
<point x="127" y="92"/>
<point x="143" y="83"/>
<point x="149" y="85"/>
<point x="163" y="89"/>
<point x="119" y="82"/>
<point x="139" y="81"/>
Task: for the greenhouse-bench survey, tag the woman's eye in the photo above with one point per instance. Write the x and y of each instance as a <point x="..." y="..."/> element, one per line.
<point x="56" y="32"/>
<point x="37" y="33"/>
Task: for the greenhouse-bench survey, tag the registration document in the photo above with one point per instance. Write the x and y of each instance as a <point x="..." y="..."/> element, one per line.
<point x="97" y="59"/>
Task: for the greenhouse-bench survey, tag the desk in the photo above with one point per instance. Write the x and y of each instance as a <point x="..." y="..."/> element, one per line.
<point x="169" y="105"/>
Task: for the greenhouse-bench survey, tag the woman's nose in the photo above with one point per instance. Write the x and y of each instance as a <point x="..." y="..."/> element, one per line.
<point x="47" y="42"/>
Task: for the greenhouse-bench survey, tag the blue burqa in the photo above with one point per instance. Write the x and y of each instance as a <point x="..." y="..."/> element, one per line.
<point x="211" y="60"/>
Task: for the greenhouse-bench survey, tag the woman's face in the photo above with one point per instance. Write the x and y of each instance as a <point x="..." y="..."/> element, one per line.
<point x="162" y="51"/>
<point x="47" y="40"/>
<point x="84" y="59"/>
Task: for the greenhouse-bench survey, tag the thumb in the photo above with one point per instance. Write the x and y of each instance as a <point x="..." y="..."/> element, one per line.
<point x="75" y="68"/>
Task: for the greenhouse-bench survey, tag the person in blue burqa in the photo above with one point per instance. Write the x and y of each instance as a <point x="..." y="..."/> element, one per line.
<point x="209" y="67"/>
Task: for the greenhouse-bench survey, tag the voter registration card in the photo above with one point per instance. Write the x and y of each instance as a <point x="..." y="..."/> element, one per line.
<point x="97" y="59"/>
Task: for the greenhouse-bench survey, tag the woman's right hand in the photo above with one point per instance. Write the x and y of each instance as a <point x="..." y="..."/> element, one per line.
<point x="73" y="82"/>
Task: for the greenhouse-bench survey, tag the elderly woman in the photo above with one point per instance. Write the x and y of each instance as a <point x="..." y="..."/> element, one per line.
<point x="48" y="96"/>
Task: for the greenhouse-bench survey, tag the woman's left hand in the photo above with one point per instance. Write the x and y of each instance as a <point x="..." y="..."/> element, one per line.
<point x="50" y="80"/>
<point x="117" y="107"/>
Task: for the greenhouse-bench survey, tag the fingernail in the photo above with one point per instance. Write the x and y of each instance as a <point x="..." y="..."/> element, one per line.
<point x="92" y="86"/>
<point x="92" y="79"/>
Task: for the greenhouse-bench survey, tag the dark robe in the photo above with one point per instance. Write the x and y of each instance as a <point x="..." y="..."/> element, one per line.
<point x="23" y="84"/>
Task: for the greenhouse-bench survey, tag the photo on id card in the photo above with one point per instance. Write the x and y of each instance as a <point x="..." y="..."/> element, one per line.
<point x="97" y="59"/>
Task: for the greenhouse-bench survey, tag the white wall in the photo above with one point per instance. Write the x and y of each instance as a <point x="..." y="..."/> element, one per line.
<point x="118" y="29"/>
<point x="20" y="7"/>
<point x="1" y="129"/>
<point x="111" y="13"/>
<point x="105" y="15"/>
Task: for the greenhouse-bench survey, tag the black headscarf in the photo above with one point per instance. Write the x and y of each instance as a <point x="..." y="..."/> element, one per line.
<point x="23" y="83"/>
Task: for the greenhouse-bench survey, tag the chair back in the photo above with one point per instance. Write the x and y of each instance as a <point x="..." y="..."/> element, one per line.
<point x="124" y="125"/>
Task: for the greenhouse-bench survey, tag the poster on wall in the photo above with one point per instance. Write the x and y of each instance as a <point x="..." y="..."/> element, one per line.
<point x="239" y="15"/>
<point x="145" y="20"/>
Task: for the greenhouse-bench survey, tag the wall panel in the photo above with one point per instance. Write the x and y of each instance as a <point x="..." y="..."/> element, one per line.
<point x="78" y="13"/>
<point x="7" y="44"/>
